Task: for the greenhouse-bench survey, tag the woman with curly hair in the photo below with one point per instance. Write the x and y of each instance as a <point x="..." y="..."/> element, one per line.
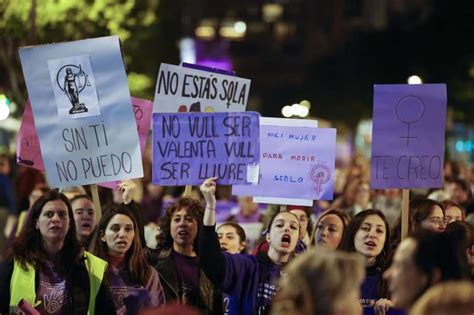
<point x="176" y="258"/>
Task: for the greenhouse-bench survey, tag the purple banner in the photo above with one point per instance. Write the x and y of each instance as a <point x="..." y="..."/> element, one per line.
<point x="190" y="147"/>
<point x="408" y="136"/>
<point x="295" y="162"/>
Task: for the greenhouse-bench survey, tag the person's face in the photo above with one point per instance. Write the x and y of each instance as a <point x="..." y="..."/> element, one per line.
<point x="303" y="218"/>
<point x="405" y="281"/>
<point x="84" y="216"/>
<point x="34" y="195"/>
<point x="470" y="255"/>
<point x="119" y="235"/>
<point x="435" y="221"/>
<point x="392" y="193"/>
<point x="247" y="206"/>
<point x="457" y="194"/>
<point x="184" y="228"/>
<point x="154" y="191"/>
<point x="229" y="239"/>
<point x="53" y="221"/>
<point x="370" y="238"/>
<point x="362" y="194"/>
<point x="4" y="166"/>
<point x="329" y="231"/>
<point x="284" y="233"/>
<point x="453" y="214"/>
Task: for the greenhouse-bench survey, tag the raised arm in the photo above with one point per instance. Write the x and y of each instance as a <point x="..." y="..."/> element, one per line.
<point x="211" y="258"/>
<point x="208" y="190"/>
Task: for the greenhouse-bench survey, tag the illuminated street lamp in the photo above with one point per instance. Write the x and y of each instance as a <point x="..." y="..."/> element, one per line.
<point x="4" y="107"/>
<point x="414" y="79"/>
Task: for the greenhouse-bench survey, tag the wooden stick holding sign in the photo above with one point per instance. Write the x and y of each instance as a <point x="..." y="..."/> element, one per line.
<point x="98" y="214"/>
<point x="96" y="200"/>
<point x="187" y="191"/>
<point x="405" y="209"/>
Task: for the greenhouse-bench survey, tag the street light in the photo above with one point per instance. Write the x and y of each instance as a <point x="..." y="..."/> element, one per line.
<point x="414" y="79"/>
<point x="287" y="111"/>
<point x="4" y="107"/>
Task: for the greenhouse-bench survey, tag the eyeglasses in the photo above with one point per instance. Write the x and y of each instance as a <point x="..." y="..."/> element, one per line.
<point x="439" y="221"/>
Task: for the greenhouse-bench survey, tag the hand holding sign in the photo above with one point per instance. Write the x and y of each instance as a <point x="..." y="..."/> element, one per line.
<point x="128" y="188"/>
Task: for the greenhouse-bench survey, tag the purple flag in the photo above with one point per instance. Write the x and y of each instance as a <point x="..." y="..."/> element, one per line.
<point x="190" y="147"/>
<point x="408" y="136"/>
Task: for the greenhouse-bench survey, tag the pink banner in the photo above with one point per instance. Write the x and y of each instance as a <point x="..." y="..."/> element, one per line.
<point x="28" y="149"/>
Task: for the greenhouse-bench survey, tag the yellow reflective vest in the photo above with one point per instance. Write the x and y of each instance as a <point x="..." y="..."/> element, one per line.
<point x="22" y="283"/>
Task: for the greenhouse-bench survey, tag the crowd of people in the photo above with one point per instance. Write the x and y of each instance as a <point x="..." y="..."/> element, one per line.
<point x="152" y="250"/>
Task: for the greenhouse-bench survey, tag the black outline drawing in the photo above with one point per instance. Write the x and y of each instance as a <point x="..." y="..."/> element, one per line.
<point x="419" y="101"/>
<point x="320" y="174"/>
<point x="72" y="86"/>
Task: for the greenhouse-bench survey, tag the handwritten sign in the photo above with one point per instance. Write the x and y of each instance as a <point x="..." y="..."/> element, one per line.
<point x="183" y="89"/>
<point x="85" y="150"/>
<point x="190" y="147"/>
<point x="28" y="150"/>
<point x="295" y="162"/>
<point x="408" y="136"/>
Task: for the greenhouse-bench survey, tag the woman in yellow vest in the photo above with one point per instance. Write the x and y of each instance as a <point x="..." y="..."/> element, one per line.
<point x="47" y="268"/>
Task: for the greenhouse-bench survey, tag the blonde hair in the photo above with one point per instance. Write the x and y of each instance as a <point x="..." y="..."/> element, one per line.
<point x="317" y="281"/>
<point x="452" y="297"/>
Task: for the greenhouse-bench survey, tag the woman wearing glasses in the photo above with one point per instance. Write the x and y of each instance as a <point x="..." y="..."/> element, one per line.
<point x="424" y="214"/>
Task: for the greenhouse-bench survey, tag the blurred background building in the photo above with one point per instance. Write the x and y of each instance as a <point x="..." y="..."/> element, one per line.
<point x="306" y="58"/>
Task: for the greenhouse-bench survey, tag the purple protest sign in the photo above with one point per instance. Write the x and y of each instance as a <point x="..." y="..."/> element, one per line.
<point x="295" y="162"/>
<point x="408" y="136"/>
<point x="190" y="147"/>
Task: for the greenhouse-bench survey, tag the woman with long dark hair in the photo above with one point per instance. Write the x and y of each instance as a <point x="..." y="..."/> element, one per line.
<point x="47" y="268"/>
<point x="249" y="281"/>
<point x="135" y="285"/>
<point x="368" y="234"/>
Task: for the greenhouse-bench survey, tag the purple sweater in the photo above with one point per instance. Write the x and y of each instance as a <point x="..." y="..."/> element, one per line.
<point x="129" y="298"/>
<point x="248" y="281"/>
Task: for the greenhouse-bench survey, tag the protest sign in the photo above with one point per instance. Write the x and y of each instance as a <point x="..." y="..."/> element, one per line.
<point x="184" y="89"/>
<point x="408" y="136"/>
<point x="28" y="149"/>
<point x="295" y="163"/>
<point x="190" y="147"/>
<point x="78" y="149"/>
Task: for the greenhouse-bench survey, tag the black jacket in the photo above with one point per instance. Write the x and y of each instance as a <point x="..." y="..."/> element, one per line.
<point x="210" y="302"/>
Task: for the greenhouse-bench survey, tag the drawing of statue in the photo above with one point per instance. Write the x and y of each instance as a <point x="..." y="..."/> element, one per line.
<point x="72" y="85"/>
